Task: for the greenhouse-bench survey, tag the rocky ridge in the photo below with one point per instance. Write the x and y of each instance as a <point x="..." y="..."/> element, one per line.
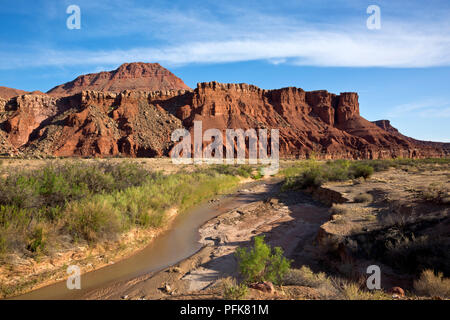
<point x="125" y="116"/>
<point x="129" y="76"/>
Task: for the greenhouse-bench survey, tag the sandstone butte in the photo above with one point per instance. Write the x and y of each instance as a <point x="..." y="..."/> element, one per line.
<point x="133" y="110"/>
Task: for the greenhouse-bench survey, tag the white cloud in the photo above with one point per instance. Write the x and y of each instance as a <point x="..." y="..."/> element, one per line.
<point x="200" y="37"/>
<point x="431" y="108"/>
<point x="313" y="48"/>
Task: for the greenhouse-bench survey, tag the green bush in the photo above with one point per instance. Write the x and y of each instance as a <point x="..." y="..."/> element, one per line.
<point x="312" y="177"/>
<point x="97" y="201"/>
<point x="3" y="244"/>
<point x="311" y="173"/>
<point x="92" y="220"/>
<point x="258" y="175"/>
<point x="37" y="241"/>
<point x="361" y="170"/>
<point x="262" y="263"/>
<point x="245" y="171"/>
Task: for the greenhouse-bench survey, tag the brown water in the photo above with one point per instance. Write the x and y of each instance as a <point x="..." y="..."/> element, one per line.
<point x="178" y="243"/>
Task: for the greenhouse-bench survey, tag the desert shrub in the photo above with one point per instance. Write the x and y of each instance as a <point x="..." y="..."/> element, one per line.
<point x="340" y="209"/>
<point x="37" y="241"/>
<point x="378" y="165"/>
<point x="258" y="175"/>
<point x="262" y="263"/>
<point x="225" y="169"/>
<point x="337" y="170"/>
<point x="92" y="220"/>
<point x="95" y="201"/>
<point x="231" y="290"/>
<point x="361" y="170"/>
<point x="306" y="277"/>
<point x="142" y="206"/>
<point x="363" y="198"/>
<point x="436" y="193"/>
<point x="54" y="185"/>
<point x="314" y="174"/>
<point x="299" y="167"/>
<point x="312" y="177"/>
<point x="3" y="244"/>
<point x="395" y="219"/>
<point x="353" y="291"/>
<point x="245" y="171"/>
<point x="411" y="254"/>
<point x="127" y="175"/>
<point x="18" y="194"/>
<point x="432" y="285"/>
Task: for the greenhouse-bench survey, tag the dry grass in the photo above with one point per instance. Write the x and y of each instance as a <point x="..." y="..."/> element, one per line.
<point x="332" y="287"/>
<point x="363" y="198"/>
<point x="340" y="209"/>
<point x="307" y="278"/>
<point x="231" y="290"/>
<point x="352" y="291"/>
<point x="432" y="285"/>
<point x="437" y="193"/>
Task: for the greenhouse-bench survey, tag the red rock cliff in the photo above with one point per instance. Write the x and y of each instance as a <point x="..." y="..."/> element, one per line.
<point x="129" y="76"/>
<point x="140" y="122"/>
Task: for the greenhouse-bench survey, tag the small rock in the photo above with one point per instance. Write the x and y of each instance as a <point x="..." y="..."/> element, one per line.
<point x="167" y="289"/>
<point x="399" y="292"/>
<point x="124" y="297"/>
<point x="175" y="270"/>
<point x="272" y="201"/>
<point x="265" y="286"/>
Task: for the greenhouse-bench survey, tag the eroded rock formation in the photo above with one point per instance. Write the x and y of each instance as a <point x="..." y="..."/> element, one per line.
<point x="115" y="120"/>
<point x="129" y="76"/>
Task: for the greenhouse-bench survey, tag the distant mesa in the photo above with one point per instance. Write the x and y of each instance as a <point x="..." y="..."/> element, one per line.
<point x="129" y="76"/>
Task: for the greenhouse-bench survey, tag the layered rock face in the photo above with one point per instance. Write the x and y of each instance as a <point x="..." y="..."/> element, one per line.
<point x="315" y="123"/>
<point x="129" y="76"/>
<point x="139" y="123"/>
<point x="94" y="123"/>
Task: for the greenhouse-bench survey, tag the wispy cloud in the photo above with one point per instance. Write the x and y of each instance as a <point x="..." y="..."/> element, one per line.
<point x="199" y="36"/>
<point x="312" y="48"/>
<point x="431" y="108"/>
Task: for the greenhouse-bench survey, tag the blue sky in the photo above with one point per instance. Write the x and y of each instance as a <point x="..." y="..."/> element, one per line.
<point x="401" y="71"/>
